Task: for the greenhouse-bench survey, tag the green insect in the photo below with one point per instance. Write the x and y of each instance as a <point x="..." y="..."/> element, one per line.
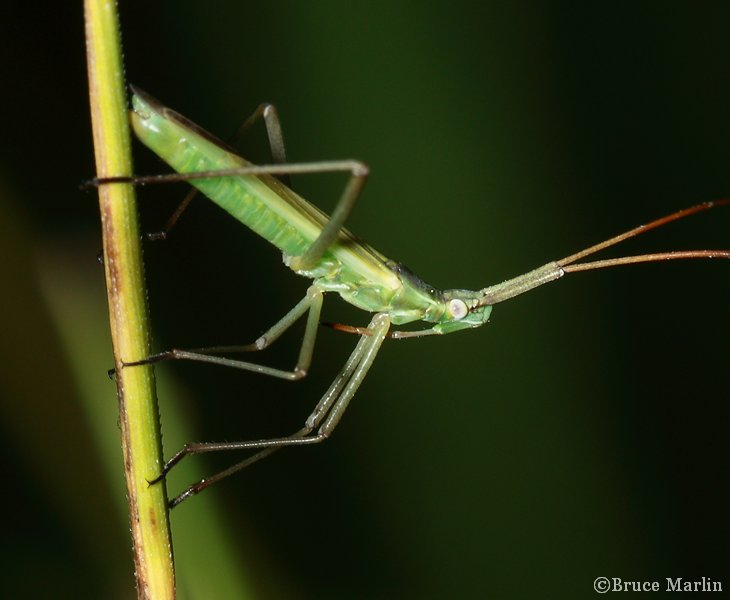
<point x="317" y="246"/>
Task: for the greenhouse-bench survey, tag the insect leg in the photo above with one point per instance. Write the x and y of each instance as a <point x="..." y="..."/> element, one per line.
<point x="311" y="303"/>
<point x="325" y="416"/>
<point x="270" y="115"/>
<point x="347" y="201"/>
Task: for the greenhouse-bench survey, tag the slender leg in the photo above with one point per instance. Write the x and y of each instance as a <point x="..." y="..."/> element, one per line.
<point x="325" y="416"/>
<point x="339" y="215"/>
<point x="311" y="303"/>
<point x="273" y="131"/>
<point x="270" y="115"/>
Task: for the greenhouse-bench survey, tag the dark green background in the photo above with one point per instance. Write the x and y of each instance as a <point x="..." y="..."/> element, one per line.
<point x="582" y="433"/>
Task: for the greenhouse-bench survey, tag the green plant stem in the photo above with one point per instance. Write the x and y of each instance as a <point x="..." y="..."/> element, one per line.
<point x="139" y="420"/>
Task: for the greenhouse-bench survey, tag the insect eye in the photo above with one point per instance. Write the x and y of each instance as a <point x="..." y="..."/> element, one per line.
<point x="457" y="308"/>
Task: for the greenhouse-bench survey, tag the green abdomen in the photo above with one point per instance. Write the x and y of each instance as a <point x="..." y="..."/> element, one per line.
<point x="241" y="197"/>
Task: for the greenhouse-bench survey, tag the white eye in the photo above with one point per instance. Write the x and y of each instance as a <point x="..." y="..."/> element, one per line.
<point x="457" y="308"/>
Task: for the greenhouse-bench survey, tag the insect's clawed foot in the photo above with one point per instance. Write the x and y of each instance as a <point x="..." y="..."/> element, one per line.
<point x="188" y="493"/>
<point x="150" y="360"/>
<point x="167" y="467"/>
<point x="89" y="184"/>
<point x="347" y="328"/>
<point x="155" y="236"/>
<point x="96" y="182"/>
<point x="156" y="480"/>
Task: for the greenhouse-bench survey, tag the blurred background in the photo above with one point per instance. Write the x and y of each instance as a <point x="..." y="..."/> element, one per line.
<point x="582" y="433"/>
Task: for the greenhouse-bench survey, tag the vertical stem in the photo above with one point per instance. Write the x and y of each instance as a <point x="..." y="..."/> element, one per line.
<point x="139" y="420"/>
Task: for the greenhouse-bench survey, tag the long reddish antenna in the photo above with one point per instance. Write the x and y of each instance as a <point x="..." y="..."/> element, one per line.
<point x="556" y="269"/>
